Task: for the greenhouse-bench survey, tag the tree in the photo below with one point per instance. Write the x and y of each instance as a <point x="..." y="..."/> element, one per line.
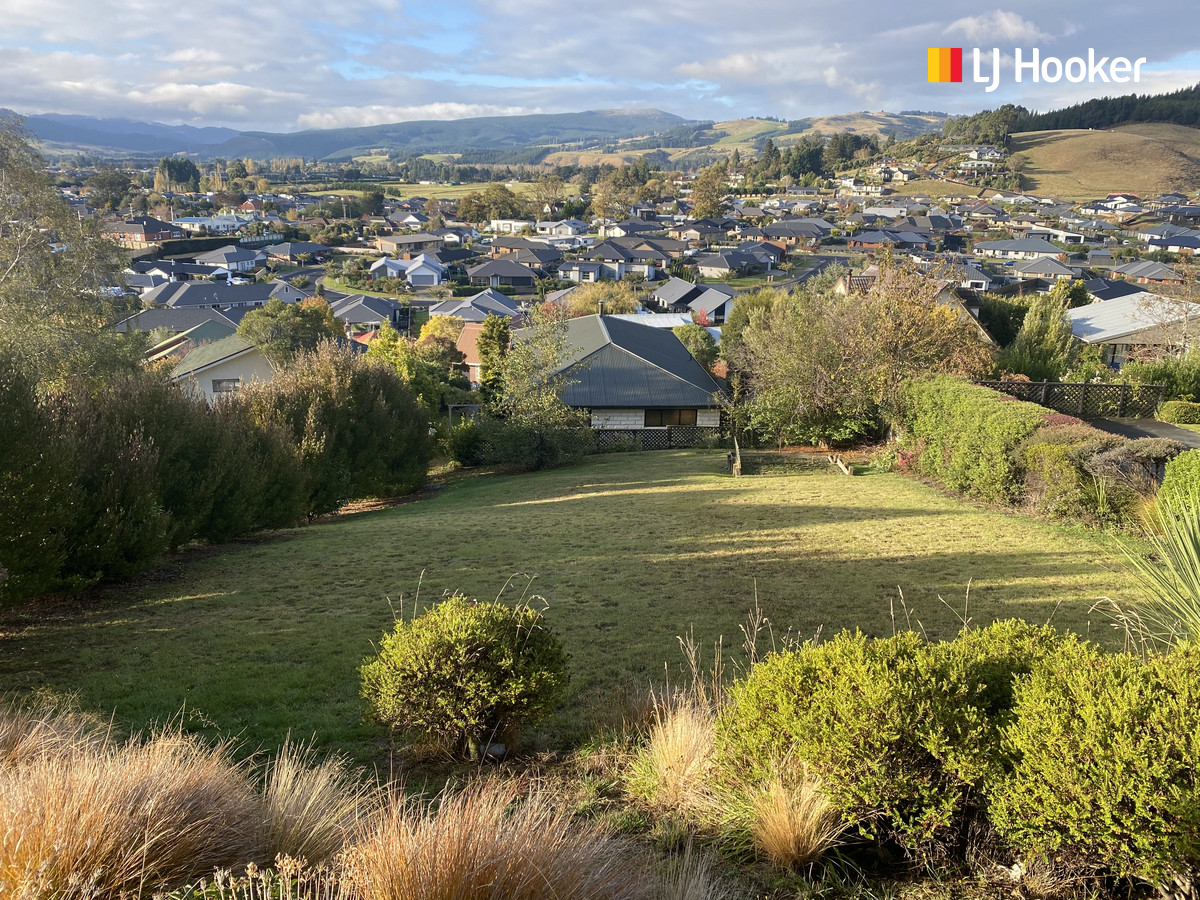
<point x="107" y="188"/>
<point x="548" y="192"/>
<point x="432" y="367"/>
<point x="611" y="200"/>
<point x="822" y="367"/>
<point x="372" y="203"/>
<point x="708" y="194"/>
<point x="500" y="202"/>
<point x="283" y="330"/>
<point x="619" y="298"/>
<point x="699" y="342"/>
<point x="57" y="303"/>
<point x="531" y="376"/>
<point x="1044" y="347"/>
<point x="491" y="347"/>
<point x="449" y="327"/>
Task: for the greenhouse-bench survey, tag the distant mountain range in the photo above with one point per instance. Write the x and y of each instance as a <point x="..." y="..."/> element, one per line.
<point x="121" y="137"/>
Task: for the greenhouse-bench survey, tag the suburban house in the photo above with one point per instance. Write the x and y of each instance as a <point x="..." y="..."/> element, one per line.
<point x="509" y="226"/>
<point x="562" y="228"/>
<point x="235" y="259"/>
<point x="713" y="305"/>
<point x="676" y="293"/>
<point x="292" y="252"/>
<point x="730" y="262"/>
<point x="409" y="244"/>
<point x="1022" y="248"/>
<point x="1136" y="321"/>
<point x="1046" y="267"/>
<point x="220" y="295"/>
<point x="1148" y="272"/>
<point x="501" y="272"/>
<point x="629" y="376"/>
<point x="478" y="307"/>
<point x="421" y="271"/>
<point x="361" y="313"/>
<point x="141" y="232"/>
<point x="179" y="345"/>
<point x="468" y="345"/>
<point x="220" y="367"/>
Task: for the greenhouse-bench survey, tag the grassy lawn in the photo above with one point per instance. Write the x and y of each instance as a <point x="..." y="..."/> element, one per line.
<point x="253" y="639"/>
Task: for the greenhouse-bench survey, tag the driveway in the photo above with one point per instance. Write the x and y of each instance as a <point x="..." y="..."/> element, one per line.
<point x="1140" y="428"/>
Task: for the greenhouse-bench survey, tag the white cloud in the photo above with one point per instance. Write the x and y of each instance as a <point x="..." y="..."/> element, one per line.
<point x="997" y="25"/>
<point x="379" y="114"/>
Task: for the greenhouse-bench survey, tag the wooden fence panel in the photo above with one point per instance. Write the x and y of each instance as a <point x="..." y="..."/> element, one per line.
<point x="1086" y="400"/>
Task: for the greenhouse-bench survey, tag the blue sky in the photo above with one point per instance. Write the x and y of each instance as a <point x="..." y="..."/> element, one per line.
<point x="289" y="65"/>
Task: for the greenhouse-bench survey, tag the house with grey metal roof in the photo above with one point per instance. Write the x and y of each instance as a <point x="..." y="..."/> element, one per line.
<point x="501" y="272"/>
<point x="1134" y="321"/>
<point x="221" y="367"/>
<point x="478" y="307"/>
<point x="632" y="376"/>
<point x="1023" y="248"/>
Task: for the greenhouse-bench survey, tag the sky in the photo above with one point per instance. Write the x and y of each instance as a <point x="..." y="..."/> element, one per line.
<point x="288" y="66"/>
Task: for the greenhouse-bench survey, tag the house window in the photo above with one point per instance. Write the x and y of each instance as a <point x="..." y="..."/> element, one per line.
<point x="662" y="418"/>
<point x="225" y="385"/>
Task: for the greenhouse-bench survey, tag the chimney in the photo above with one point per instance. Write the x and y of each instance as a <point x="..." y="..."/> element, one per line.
<point x="600" y="306"/>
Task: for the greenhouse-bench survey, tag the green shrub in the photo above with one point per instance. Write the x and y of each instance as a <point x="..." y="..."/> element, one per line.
<point x="36" y="489"/>
<point x="464" y="674"/>
<point x="1106" y="751"/>
<point x="968" y="435"/>
<point x="488" y="441"/>
<point x="900" y="732"/>
<point x="117" y="525"/>
<point x="360" y="430"/>
<point x="1181" y="412"/>
<point x="1060" y="478"/>
<point x="1181" y="375"/>
<point x="1182" y="479"/>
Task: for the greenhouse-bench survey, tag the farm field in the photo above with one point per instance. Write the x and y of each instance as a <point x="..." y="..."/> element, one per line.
<point x="1080" y="165"/>
<point x="257" y="639"/>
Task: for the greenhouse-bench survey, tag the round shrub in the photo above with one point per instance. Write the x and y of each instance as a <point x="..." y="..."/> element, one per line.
<point x="464" y="674"/>
<point x="1182" y="479"/>
<point x="901" y="733"/>
<point x="1106" y="756"/>
<point x="1181" y="412"/>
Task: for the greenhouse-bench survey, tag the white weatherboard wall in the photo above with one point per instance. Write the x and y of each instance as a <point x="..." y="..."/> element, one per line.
<point x="615" y="419"/>
<point x="622" y="419"/>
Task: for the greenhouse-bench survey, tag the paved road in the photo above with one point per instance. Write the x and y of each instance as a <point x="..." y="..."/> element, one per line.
<point x="1140" y="428"/>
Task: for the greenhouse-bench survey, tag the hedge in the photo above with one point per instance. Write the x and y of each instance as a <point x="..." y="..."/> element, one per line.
<point x="1180" y="412"/>
<point x="966" y="436"/>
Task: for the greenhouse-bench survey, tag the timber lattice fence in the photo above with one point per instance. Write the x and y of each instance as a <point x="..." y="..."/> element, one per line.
<point x="1085" y="400"/>
<point x="674" y="437"/>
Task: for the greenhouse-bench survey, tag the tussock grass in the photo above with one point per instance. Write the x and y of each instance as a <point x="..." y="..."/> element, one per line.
<point x="310" y="808"/>
<point x="792" y="824"/>
<point x="106" y="821"/>
<point x="673" y="772"/>
<point x="487" y="843"/>
<point x="688" y="876"/>
<point x="1170" y="582"/>
<point x="45" y="726"/>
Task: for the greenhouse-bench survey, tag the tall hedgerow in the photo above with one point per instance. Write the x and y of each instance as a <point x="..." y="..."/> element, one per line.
<point x="359" y="428"/>
<point x="966" y="436"/>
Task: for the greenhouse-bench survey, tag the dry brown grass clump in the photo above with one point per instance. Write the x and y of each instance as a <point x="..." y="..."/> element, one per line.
<point x="487" y="843"/>
<point x="673" y="772"/>
<point x="792" y="824"/>
<point x="45" y="726"/>
<point x="310" y="808"/>
<point x="103" y="821"/>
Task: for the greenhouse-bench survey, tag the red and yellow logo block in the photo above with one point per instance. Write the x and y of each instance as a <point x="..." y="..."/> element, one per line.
<point x="945" y="64"/>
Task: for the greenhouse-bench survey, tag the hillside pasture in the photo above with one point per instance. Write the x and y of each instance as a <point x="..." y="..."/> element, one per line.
<point x="257" y="639"/>
<point x="1084" y="164"/>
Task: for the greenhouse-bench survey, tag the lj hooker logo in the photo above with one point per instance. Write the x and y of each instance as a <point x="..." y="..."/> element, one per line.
<point x="946" y="64"/>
